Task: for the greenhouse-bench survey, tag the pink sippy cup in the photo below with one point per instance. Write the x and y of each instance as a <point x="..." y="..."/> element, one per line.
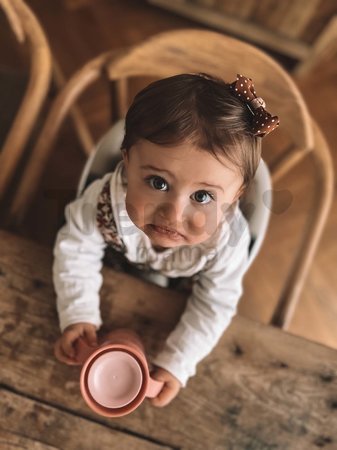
<point x="115" y="376"/>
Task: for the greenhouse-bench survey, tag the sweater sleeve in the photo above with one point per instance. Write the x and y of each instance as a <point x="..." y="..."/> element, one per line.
<point x="78" y="253"/>
<point x="209" y="310"/>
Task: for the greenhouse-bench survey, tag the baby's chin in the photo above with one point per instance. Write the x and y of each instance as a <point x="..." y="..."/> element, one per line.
<point x="161" y="244"/>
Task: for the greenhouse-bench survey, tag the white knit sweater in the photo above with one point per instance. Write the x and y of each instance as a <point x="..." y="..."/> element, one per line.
<point x="220" y="264"/>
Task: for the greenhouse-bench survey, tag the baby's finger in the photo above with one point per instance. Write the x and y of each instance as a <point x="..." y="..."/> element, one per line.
<point x="61" y="356"/>
<point x="165" y="396"/>
<point x="90" y="336"/>
<point x="67" y="343"/>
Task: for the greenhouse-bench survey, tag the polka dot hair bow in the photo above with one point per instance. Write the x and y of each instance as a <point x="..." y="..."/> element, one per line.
<point x="263" y="122"/>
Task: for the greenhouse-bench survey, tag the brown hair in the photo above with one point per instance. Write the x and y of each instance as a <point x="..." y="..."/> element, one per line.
<point x="199" y="109"/>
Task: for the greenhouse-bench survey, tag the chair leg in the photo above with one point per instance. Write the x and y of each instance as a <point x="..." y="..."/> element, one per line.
<point x="315" y="225"/>
<point x="118" y="99"/>
<point x="76" y="115"/>
<point x="289" y="159"/>
<point x="64" y="101"/>
<point x="40" y="72"/>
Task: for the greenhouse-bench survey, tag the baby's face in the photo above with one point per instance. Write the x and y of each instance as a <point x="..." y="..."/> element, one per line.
<point x="178" y="195"/>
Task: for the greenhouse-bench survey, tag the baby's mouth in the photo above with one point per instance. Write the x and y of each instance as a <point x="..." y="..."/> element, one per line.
<point x="165" y="231"/>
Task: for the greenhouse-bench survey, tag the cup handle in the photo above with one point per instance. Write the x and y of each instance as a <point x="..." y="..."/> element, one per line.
<point x="83" y="350"/>
<point x="154" y="387"/>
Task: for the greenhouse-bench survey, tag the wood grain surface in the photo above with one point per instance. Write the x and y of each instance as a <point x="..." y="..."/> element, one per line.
<point x="261" y="388"/>
<point x="31" y="424"/>
<point x="122" y="23"/>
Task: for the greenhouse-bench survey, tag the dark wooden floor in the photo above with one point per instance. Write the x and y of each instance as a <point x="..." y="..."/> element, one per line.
<point x="80" y="33"/>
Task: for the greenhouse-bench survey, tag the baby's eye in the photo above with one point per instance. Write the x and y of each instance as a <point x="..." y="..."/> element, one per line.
<point x="157" y="183"/>
<point x="202" y="197"/>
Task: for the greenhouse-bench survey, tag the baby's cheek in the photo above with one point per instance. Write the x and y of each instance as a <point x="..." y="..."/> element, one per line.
<point x="205" y="221"/>
<point x="139" y="208"/>
<point x="134" y="207"/>
<point x="200" y="219"/>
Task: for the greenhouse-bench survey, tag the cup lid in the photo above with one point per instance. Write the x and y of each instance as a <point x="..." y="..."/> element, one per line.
<point x="114" y="379"/>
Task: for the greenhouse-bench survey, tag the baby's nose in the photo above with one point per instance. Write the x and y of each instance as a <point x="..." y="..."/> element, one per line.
<point x="172" y="211"/>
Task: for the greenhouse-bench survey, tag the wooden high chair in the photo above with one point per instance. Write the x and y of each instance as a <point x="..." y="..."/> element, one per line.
<point x="27" y="30"/>
<point x="205" y="51"/>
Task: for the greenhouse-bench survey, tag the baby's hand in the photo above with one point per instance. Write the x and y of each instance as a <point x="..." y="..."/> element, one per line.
<point x="65" y="350"/>
<point x="170" y="389"/>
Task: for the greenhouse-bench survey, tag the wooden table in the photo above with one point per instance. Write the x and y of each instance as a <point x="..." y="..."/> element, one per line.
<point x="260" y="389"/>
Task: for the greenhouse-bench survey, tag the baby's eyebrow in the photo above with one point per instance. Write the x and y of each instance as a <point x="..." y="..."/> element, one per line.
<point x="156" y="169"/>
<point x="210" y="185"/>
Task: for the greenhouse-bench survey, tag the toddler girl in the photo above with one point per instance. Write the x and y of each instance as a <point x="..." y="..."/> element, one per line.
<point x="191" y="147"/>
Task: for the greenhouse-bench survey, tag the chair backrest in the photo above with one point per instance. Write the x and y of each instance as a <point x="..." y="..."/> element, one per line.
<point x="104" y="157"/>
<point x="256" y="207"/>
<point x="171" y="53"/>
<point x="206" y="51"/>
<point x="27" y="30"/>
